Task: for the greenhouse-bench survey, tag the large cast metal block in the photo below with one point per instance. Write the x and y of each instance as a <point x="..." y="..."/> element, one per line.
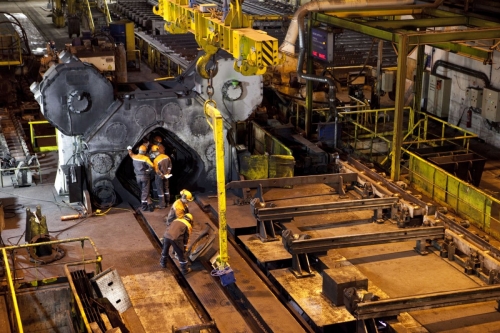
<point x="335" y="280"/>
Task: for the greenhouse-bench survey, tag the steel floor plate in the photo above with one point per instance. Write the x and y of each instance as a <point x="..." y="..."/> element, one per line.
<point x="263" y="303"/>
<point x="265" y="252"/>
<point x="306" y="293"/>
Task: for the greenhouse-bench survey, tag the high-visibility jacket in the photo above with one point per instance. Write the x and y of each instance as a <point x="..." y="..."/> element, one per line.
<point x="162" y="164"/>
<point x="142" y="164"/>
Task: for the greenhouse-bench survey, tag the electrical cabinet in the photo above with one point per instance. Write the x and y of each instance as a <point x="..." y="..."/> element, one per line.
<point x="387" y="81"/>
<point x="490" y="104"/>
<point x="438" y="96"/>
<point x="322" y="45"/>
<point x="475" y="97"/>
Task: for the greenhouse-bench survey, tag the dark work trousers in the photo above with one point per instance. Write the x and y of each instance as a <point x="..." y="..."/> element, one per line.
<point x="144" y="183"/>
<point x="162" y="190"/>
<point x="178" y="246"/>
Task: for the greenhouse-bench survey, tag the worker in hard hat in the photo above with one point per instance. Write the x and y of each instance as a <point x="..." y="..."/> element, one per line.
<point x="142" y="169"/>
<point x="162" y="166"/>
<point x="157" y="140"/>
<point x="177" y="236"/>
<point x="179" y="207"/>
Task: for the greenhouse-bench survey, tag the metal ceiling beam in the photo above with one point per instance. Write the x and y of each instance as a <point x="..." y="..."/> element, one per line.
<point x="451" y="36"/>
<point x="477" y="53"/>
<point x="418" y="23"/>
<point x="440" y="39"/>
<point x="354" y="26"/>
<point x="376" y="13"/>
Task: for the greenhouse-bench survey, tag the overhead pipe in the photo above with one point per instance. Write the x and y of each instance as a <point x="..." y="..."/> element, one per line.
<point x="296" y="28"/>
<point x="460" y="69"/>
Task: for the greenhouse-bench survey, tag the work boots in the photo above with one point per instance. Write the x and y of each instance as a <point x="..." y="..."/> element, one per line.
<point x="163" y="261"/>
<point x="184" y="267"/>
<point x="145" y="206"/>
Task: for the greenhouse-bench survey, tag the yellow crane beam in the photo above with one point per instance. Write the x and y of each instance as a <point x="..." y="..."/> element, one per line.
<point x="254" y="50"/>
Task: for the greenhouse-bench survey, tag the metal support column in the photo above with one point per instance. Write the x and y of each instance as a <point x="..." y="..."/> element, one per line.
<point x="397" y="139"/>
<point x="309" y="88"/>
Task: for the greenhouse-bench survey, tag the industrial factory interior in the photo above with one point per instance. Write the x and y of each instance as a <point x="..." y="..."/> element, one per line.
<point x="331" y="166"/>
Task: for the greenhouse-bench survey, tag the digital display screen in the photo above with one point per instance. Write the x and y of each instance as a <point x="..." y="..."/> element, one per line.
<point x="320" y="44"/>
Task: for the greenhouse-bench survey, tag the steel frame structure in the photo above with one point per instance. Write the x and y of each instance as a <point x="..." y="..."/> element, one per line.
<point x="429" y="27"/>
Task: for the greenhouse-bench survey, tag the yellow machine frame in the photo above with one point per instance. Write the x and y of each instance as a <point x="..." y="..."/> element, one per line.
<point x="254" y="50"/>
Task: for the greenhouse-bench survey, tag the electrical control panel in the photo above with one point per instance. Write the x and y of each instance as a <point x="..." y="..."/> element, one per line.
<point x="490" y="104"/>
<point x="475" y="97"/>
<point x="438" y="96"/>
<point x="322" y="45"/>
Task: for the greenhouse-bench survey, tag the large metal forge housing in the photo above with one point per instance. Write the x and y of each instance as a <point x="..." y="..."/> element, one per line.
<point x="97" y="120"/>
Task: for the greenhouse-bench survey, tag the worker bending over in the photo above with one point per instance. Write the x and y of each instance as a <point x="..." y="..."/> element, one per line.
<point x="180" y="207"/>
<point x="163" y="166"/>
<point x="177" y="236"/>
<point x="142" y="169"/>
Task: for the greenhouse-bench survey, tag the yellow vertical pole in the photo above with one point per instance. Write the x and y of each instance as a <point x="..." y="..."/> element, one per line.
<point x="397" y="138"/>
<point x="216" y="122"/>
<point x="8" y="274"/>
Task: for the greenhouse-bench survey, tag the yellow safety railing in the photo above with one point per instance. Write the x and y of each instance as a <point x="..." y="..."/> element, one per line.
<point x="272" y="159"/>
<point x="375" y="138"/>
<point x="35" y="167"/>
<point x="85" y="8"/>
<point x="10" y="50"/>
<point x="10" y="281"/>
<point x="37" y="148"/>
<point x="78" y="301"/>
<point x="466" y="200"/>
<point x="12" y="292"/>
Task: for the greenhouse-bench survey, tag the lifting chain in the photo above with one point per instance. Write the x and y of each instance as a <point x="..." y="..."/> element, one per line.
<point x="210" y="87"/>
<point x="210" y="93"/>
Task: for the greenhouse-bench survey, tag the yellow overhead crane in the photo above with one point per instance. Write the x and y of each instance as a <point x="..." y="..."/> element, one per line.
<point x="254" y="50"/>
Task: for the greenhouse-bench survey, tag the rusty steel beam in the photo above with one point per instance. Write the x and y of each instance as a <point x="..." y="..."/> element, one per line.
<point x="289" y="212"/>
<point x="328" y="179"/>
<point x="324" y="244"/>
<point x="395" y="306"/>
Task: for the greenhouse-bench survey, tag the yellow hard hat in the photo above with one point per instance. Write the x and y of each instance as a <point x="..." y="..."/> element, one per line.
<point x="189" y="218"/>
<point x="154" y="148"/>
<point x="143" y="149"/>
<point x="187" y="195"/>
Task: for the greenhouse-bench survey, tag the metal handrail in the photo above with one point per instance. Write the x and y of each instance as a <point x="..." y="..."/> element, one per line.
<point x="8" y="272"/>
<point x="78" y="301"/>
<point x="10" y="284"/>
<point x="37" y="167"/>
<point x="33" y="137"/>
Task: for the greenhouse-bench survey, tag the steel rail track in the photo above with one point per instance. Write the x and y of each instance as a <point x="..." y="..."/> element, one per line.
<point x="232" y="241"/>
<point x="179" y="277"/>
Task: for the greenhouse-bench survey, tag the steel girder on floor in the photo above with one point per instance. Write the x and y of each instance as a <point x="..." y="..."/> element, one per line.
<point x="312" y="245"/>
<point x="290" y="212"/>
<point x="395" y="306"/>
